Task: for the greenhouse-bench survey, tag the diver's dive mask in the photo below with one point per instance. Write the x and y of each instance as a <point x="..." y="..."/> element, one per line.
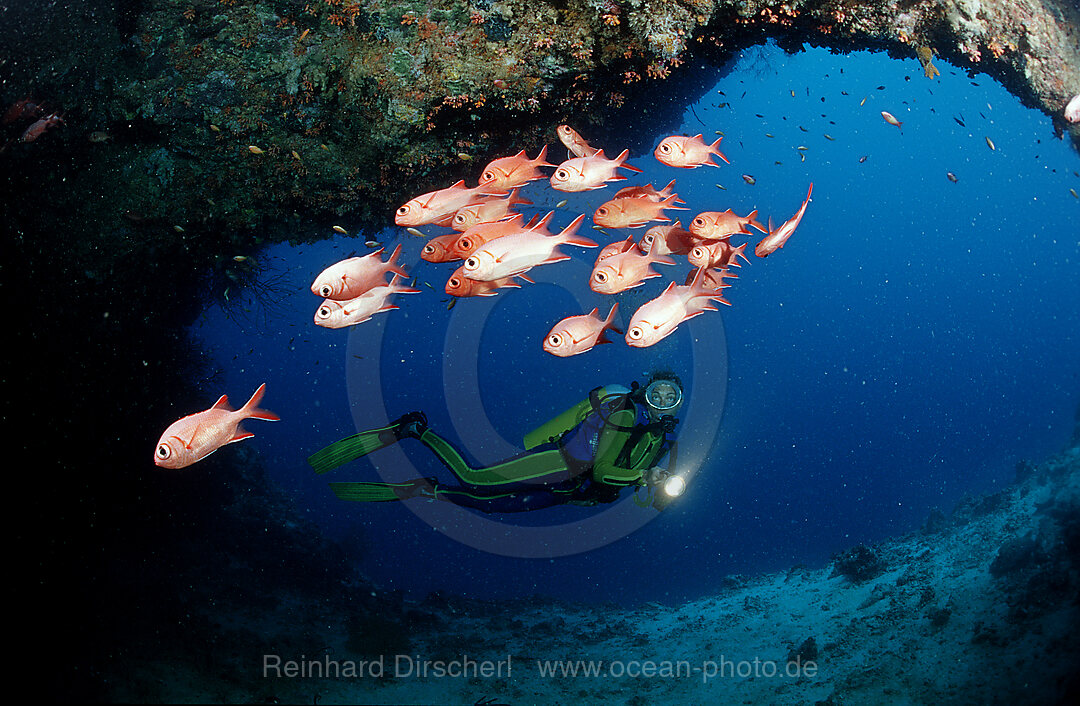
<point x="663" y="396"/>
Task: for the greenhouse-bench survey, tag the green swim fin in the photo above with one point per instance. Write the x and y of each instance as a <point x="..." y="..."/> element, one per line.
<point x="384" y="492"/>
<point x="352" y="447"/>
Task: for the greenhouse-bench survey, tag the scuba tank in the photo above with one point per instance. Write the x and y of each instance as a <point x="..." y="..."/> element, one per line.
<point x="555" y="428"/>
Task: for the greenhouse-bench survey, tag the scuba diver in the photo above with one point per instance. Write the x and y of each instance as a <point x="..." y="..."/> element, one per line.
<point x="611" y="440"/>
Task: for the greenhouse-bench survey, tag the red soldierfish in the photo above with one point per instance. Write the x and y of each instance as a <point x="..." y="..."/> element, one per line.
<point x="658" y="318"/>
<point x="776" y="238"/>
<point x="668" y="240"/>
<point x="632" y="212"/>
<point x="507" y="172"/>
<point x="39" y="128"/>
<point x="574" y="142"/>
<point x="585" y="173"/>
<point x="577" y="334"/>
<point x="335" y="314"/>
<point x="718" y="253"/>
<point x="648" y="192"/>
<point x="352" y="277"/>
<point x="486" y="211"/>
<point x="518" y="252"/>
<point x="688" y="152"/>
<point x="440" y="248"/>
<point x="439" y="207"/>
<point x="714" y="225"/>
<point x="461" y="286"/>
<point x="471" y="240"/>
<point x="196" y="436"/>
<point x="625" y="270"/>
<point x="612" y="249"/>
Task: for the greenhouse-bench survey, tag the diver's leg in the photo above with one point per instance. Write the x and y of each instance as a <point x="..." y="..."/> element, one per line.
<point x="357" y="445"/>
<point x="518" y="501"/>
<point x="385" y="492"/>
<point x="538" y="468"/>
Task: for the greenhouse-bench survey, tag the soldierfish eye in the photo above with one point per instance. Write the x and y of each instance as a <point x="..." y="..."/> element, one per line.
<point x="665" y="147"/>
<point x="429" y="249"/>
<point x="600" y="277"/>
<point x="164" y="451"/>
<point x="562" y="174"/>
<point x="472" y="263"/>
<point x="454" y="282"/>
<point x="324" y="312"/>
<point x="403" y="210"/>
<point x="602" y="211"/>
<point x="698" y="253"/>
<point x="635" y="333"/>
<point x="326" y="290"/>
<point x="465" y="243"/>
<point x="699" y="221"/>
<point x="555" y="339"/>
<point x="488" y="176"/>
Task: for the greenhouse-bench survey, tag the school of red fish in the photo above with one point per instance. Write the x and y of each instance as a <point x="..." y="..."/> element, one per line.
<point x="496" y="246"/>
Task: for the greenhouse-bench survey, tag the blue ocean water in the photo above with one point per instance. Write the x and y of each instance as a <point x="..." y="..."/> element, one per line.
<point x="914" y="340"/>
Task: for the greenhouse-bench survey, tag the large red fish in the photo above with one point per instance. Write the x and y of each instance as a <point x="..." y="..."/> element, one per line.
<point x="577" y="334"/>
<point x="777" y="238"/>
<point x="440" y="248"/>
<point x="352" y="277"/>
<point x="574" y="142"/>
<point x="718" y="253"/>
<point x="507" y="172"/>
<point x="668" y="240"/>
<point x="586" y="173"/>
<point x="632" y="212"/>
<point x="714" y="225"/>
<point x="626" y="270"/>
<point x="196" y="436"/>
<point x="335" y="314"/>
<point x="486" y="211"/>
<point x="688" y="152"/>
<point x="458" y="285"/>
<point x="658" y="318"/>
<point x="468" y="242"/>
<point x="439" y="206"/>
<point x="518" y="252"/>
<point x="648" y="192"/>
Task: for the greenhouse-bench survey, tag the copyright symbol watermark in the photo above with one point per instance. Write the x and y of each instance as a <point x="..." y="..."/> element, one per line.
<point x="697" y="352"/>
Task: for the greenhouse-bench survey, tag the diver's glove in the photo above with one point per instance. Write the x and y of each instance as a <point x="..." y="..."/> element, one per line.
<point x="668" y="423"/>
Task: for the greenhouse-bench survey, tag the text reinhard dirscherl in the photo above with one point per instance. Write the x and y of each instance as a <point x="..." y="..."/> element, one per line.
<point x="416" y="667"/>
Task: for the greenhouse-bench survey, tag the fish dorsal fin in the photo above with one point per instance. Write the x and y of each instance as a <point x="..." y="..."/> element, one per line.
<point x="222" y="403"/>
<point x="595" y="311"/>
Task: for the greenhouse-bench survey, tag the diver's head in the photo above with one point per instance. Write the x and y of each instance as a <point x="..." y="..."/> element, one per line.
<point x="663" y="395"/>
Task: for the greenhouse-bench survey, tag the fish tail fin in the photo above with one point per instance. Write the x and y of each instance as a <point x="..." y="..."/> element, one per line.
<point x="737" y="253"/>
<point x="515" y="199"/>
<point x="396" y="289"/>
<point x="539" y="162"/>
<point x="609" y="321"/>
<point x="621" y="159"/>
<point x="751" y="219"/>
<point x="251" y="408"/>
<point x="570" y="237"/>
<point x="391" y="264"/>
<point x="715" y="149"/>
<point x="669" y="191"/>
